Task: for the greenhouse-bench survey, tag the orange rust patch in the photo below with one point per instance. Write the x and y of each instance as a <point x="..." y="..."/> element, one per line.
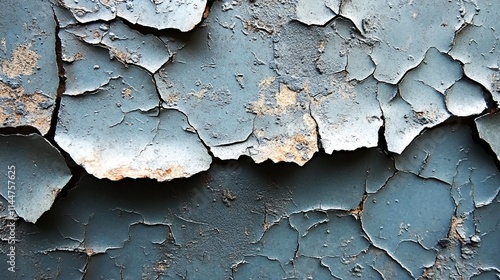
<point x="127" y="92"/>
<point x="171" y="100"/>
<point x="119" y="173"/>
<point x="22" y="62"/>
<point x="286" y="97"/>
<point x="289" y="149"/>
<point x="89" y="251"/>
<point x="453" y="234"/>
<point x="34" y="115"/>
<point x="120" y="56"/>
<point x="200" y="94"/>
<point x="78" y="56"/>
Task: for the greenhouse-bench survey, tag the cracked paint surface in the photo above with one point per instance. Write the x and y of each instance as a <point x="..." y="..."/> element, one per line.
<point x="298" y="87"/>
<point x="300" y="140"/>
<point x="28" y="69"/>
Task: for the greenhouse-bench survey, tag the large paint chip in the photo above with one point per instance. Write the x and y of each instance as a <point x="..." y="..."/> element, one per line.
<point x="405" y="31"/>
<point x="111" y="143"/>
<point x="465" y="98"/>
<point x="35" y="172"/>
<point x="349" y="117"/>
<point x="181" y="15"/>
<point x="476" y="47"/>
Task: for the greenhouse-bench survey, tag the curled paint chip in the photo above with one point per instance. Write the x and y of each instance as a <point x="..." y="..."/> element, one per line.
<point x="488" y="128"/>
<point x="349" y="117"/>
<point x="316" y="12"/>
<point x="35" y="172"/>
<point x="124" y="44"/>
<point x="475" y="46"/>
<point x="465" y="98"/>
<point x="417" y="102"/>
<point x="181" y="15"/>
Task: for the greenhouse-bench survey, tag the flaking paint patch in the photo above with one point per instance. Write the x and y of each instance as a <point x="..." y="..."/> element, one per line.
<point x="37" y="173"/>
<point x="278" y="139"/>
<point x="23" y="61"/>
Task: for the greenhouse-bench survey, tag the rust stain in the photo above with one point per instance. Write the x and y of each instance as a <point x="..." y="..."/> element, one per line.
<point x="175" y="171"/>
<point x="78" y="56"/>
<point x="200" y="94"/>
<point x="286" y="97"/>
<point x="284" y="149"/>
<point x="454" y="234"/>
<point x="22" y="62"/>
<point x="119" y="173"/>
<point x="31" y="114"/>
<point x="123" y="57"/>
<point x="161" y="267"/>
<point x="89" y="252"/>
<point x="127" y="92"/>
<point x="108" y="2"/>
<point x="322" y="46"/>
<point x="172" y="99"/>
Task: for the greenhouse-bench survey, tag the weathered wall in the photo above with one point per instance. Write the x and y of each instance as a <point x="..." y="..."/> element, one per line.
<point x="249" y="139"/>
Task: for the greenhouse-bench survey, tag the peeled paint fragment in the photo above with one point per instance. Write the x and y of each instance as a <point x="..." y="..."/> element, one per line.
<point x="28" y="69"/>
<point x="488" y="127"/>
<point x="349" y="117"/>
<point x="476" y="47"/>
<point x="80" y="59"/>
<point x="465" y="98"/>
<point x="35" y="172"/>
<point x="438" y="70"/>
<point x="212" y="78"/>
<point x="95" y="129"/>
<point x="269" y="120"/>
<point x="283" y="126"/>
<point x="124" y="44"/>
<point x="181" y="15"/>
<point x="405" y="31"/>
<point x="424" y="210"/>
<point x="415" y="106"/>
<point x="316" y="12"/>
